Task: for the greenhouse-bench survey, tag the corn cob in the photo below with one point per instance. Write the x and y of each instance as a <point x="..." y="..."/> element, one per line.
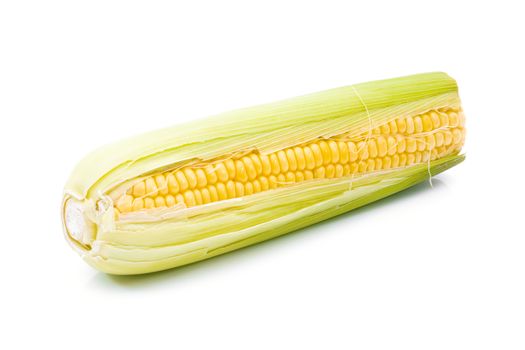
<point x="183" y="194"/>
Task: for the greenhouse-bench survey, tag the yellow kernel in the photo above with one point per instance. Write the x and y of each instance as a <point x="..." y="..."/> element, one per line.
<point x="346" y="170"/>
<point x="160" y="202"/>
<point x="372" y="148"/>
<point x="300" y="158"/>
<point x="179" y="198"/>
<point x="362" y="166"/>
<point x="149" y="203"/>
<point x="379" y="164"/>
<point x="170" y="200"/>
<point x="239" y="189"/>
<point x="410" y="125"/>
<point x="453" y="119"/>
<point x="162" y="185"/>
<point x="248" y="188"/>
<point x="240" y="171"/>
<point x="256" y="186"/>
<point x="430" y="142"/>
<point x="456" y="134"/>
<point x="352" y="150"/>
<point x="419" y="156"/>
<point x="308" y="175"/>
<point x="173" y="185"/>
<point x="382" y="147"/>
<point x="411" y="144"/>
<point x="151" y="187"/>
<point x="395" y="160"/>
<point x="250" y="167"/>
<point x="230" y="167"/>
<point x="343" y="152"/>
<point x="292" y="162"/>
<point x="189" y="199"/>
<point x="221" y="191"/>
<point x="211" y="174"/>
<point x="370" y="165"/>
<point x="401" y="144"/>
<point x="427" y="122"/>
<point x="138" y="204"/>
<point x="181" y="179"/>
<point x="201" y="177"/>
<point x="214" y="195"/>
<point x="272" y="180"/>
<point x="421" y="145"/>
<point x="387" y="163"/>
<point x="266" y="165"/>
<point x="274" y="161"/>
<point x="339" y="170"/>
<point x="391" y="142"/>
<point x="198" y="196"/>
<point x="401" y="125"/>
<point x="443" y="119"/>
<point x="318" y="155"/>
<point x="265" y="183"/>
<point x="299" y="176"/>
<point x="435" y="120"/>
<point x="139" y="189"/>
<point x="448" y="137"/>
<point x="325" y="151"/>
<point x="403" y="159"/>
<point x="191" y="177"/>
<point x="222" y="172"/>
<point x="256" y="161"/>
<point x="393" y="127"/>
<point x="283" y="162"/>
<point x="290" y="177"/>
<point x="330" y="171"/>
<point x="334" y="151"/>
<point x="362" y="150"/>
<point x="385" y="129"/>
<point x="319" y="173"/>
<point x="309" y="157"/>
<point x="206" y="197"/>
<point x="411" y="158"/>
<point x="418" y="124"/>
<point x="440" y="139"/>
<point x="230" y="189"/>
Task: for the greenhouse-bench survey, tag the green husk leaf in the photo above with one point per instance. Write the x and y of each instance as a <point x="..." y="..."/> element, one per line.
<point x="266" y="127"/>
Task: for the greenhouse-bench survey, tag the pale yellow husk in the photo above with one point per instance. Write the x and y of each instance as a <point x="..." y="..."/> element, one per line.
<point x="161" y="239"/>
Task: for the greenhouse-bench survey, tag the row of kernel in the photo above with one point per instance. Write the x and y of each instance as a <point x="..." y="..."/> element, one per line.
<point x="233" y="189"/>
<point x="296" y="158"/>
<point x="422" y="123"/>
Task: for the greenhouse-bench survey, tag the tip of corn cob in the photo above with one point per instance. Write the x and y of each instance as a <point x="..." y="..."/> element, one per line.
<point x="79" y="230"/>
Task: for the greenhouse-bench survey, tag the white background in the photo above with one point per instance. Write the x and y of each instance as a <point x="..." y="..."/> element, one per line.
<point x="431" y="268"/>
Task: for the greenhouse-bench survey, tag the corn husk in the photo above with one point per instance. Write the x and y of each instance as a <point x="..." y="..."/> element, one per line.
<point x="159" y="239"/>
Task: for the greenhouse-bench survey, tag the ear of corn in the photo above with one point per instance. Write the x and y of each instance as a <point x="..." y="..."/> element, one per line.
<point x="182" y="194"/>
